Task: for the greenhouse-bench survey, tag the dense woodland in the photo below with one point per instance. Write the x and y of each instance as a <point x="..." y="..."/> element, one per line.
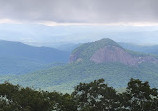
<point x="93" y="96"/>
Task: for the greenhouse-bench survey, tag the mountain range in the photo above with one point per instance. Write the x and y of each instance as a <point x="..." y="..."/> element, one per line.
<point x="150" y="49"/>
<point x="94" y="60"/>
<point x="19" y="58"/>
<point x="54" y="36"/>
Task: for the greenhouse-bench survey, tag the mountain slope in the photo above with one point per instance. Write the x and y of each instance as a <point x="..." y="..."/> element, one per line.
<point x="19" y="58"/>
<point x="116" y="73"/>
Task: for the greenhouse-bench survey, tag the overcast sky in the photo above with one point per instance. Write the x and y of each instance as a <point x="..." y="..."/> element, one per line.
<point x="79" y="11"/>
<point x="24" y="16"/>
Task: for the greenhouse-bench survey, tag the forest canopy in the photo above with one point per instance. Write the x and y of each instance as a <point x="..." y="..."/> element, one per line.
<point x="93" y="96"/>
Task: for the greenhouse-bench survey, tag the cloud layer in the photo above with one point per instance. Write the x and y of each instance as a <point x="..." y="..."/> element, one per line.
<point x="80" y="11"/>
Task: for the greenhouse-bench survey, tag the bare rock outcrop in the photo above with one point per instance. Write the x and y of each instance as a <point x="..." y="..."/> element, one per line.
<point x="117" y="54"/>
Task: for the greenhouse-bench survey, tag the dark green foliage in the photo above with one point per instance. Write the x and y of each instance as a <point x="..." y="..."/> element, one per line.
<point x="93" y="96"/>
<point x="61" y="102"/>
<point x="16" y="98"/>
<point x="25" y="98"/>
<point x="97" y="96"/>
<point x="140" y="97"/>
<point x="6" y="105"/>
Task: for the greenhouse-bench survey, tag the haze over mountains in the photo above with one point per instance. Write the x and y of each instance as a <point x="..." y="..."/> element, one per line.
<point x="94" y="60"/>
<point x="88" y="51"/>
<point x="153" y="49"/>
<point x="19" y="58"/>
<point x="55" y="36"/>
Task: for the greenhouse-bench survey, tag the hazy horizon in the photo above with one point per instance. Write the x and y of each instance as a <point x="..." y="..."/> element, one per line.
<point x="55" y="22"/>
<point x="52" y="36"/>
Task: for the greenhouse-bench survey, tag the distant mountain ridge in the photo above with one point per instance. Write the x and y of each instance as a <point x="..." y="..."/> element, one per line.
<point x="19" y="58"/>
<point x="42" y="54"/>
<point x="152" y="49"/>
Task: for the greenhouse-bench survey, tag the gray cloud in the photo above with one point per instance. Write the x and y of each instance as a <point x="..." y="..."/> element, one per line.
<point x="88" y="11"/>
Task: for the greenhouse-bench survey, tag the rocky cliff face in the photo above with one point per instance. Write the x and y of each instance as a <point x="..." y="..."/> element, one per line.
<point x="111" y="53"/>
<point x="116" y="54"/>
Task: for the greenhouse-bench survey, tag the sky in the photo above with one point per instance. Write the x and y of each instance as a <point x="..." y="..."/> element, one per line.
<point x="75" y="21"/>
<point x="79" y="12"/>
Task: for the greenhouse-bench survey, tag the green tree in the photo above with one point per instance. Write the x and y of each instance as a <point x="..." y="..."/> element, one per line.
<point x="140" y="97"/>
<point x="24" y="99"/>
<point x="61" y="102"/>
<point x="95" y="96"/>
